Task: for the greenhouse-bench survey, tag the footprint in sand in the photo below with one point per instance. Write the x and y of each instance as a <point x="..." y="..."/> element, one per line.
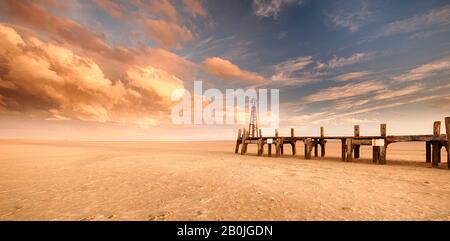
<point x="90" y="218"/>
<point x="160" y="216"/>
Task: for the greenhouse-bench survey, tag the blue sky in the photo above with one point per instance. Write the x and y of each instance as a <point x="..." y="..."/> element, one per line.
<point x="336" y="63"/>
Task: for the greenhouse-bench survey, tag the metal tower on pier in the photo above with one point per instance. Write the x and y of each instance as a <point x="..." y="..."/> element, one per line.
<point x="253" y="124"/>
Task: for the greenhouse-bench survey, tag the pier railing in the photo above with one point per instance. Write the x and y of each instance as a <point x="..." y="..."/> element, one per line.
<point x="350" y="145"/>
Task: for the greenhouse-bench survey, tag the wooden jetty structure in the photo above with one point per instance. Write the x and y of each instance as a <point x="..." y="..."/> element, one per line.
<point x="350" y="145"/>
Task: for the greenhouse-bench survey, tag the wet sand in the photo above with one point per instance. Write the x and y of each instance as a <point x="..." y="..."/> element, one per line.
<point x="76" y="180"/>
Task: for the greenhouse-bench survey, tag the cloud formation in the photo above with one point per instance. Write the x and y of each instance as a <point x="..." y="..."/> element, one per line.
<point x="425" y="71"/>
<point x="351" y="17"/>
<point x="439" y="17"/>
<point x="390" y="94"/>
<point x="168" y="34"/>
<point x="195" y="8"/>
<point x="46" y="79"/>
<point x="224" y="69"/>
<point x="345" y="91"/>
<point x="337" y="62"/>
<point x="271" y="8"/>
<point x="352" y="76"/>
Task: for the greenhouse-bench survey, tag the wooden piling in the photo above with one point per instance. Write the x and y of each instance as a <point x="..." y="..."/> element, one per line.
<point x="375" y="154"/>
<point x="447" y="130"/>
<point x="382" y="149"/>
<point x="436" y="145"/>
<point x="322" y="148"/>
<point x="322" y="142"/>
<point x="238" y="141"/>
<point x="343" y="149"/>
<point x="269" y="150"/>
<point x="428" y="151"/>
<point x="382" y="153"/>
<point x="316" y="147"/>
<point x="294" y="149"/>
<point x="244" y="144"/>
<point x="308" y="148"/>
<point x="277" y="144"/>
<point x="383" y="130"/>
<point x="281" y="145"/>
<point x="260" y="146"/>
<point x="349" y="149"/>
<point x="356" y="147"/>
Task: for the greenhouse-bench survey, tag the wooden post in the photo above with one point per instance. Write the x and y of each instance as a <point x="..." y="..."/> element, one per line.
<point x="428" y="151"/>
<point x="322" y="142"/>
<point x="343" y="149"/>
<point x="260" y="133"/>
<point x="436" y="145"/>
<point x="282" y="145"/>
<point x="383" y="130"/>
<point x="322" y="148"/>
<point x="260" y="146"/>
<point x="382" y="154"/>
<point x="238" y="142"/>
<point x="382" y="149"/>
<point x="244" y="145"/>
<point x="269" y="150"/>
<point x="357" y="147"/>
<point x="349" y="146"/>
<point x="294" y="149"/>
<point x="308" y="148"/>
<point x="277" y="144"/>
<point x="316" y="146"/>
<point x="447" y="130"/>
<point x="375" y="154"/>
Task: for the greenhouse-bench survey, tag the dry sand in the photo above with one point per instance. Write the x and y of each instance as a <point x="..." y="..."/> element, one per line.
<point x="69" y="180"/>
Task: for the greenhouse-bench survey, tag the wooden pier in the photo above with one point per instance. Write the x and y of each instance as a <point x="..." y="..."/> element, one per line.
<point x="350" y="145"/>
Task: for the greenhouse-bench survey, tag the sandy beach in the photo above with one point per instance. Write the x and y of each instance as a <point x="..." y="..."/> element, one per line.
<point x="75" y="180"/>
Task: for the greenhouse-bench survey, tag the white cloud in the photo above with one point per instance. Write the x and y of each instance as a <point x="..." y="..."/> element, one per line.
<point x="337" y="62"/>
<point x="270" y="8"/>
<point x="435" y="17"/>
<point x="294" y="64"/>
<point x="351" y="18"/>
<point x="390" y="94"/>
<point x="425" y="71"/>
<point x="352" y="76"/>
<point x="345" y="91"/>
<point x="305" y="69"/>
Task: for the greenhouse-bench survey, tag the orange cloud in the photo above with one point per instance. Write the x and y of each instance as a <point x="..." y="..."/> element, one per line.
<point x="195" y="8"/>
<point x="58" y="27"/>
<point x="54" y="82"/>
<point x="163" y="8"/>
<point x="154" y="80"/>
<point x="352" y="76"/>
<point x="168" y="34"/>
<point x="113" y="8"/>
<point x="224" y="69"/>
<point x="160" y="8"/>
<point x="113" y="60"/>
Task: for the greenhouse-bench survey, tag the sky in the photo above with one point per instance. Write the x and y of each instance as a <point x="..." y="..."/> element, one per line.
<point x="105" y="70"/>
